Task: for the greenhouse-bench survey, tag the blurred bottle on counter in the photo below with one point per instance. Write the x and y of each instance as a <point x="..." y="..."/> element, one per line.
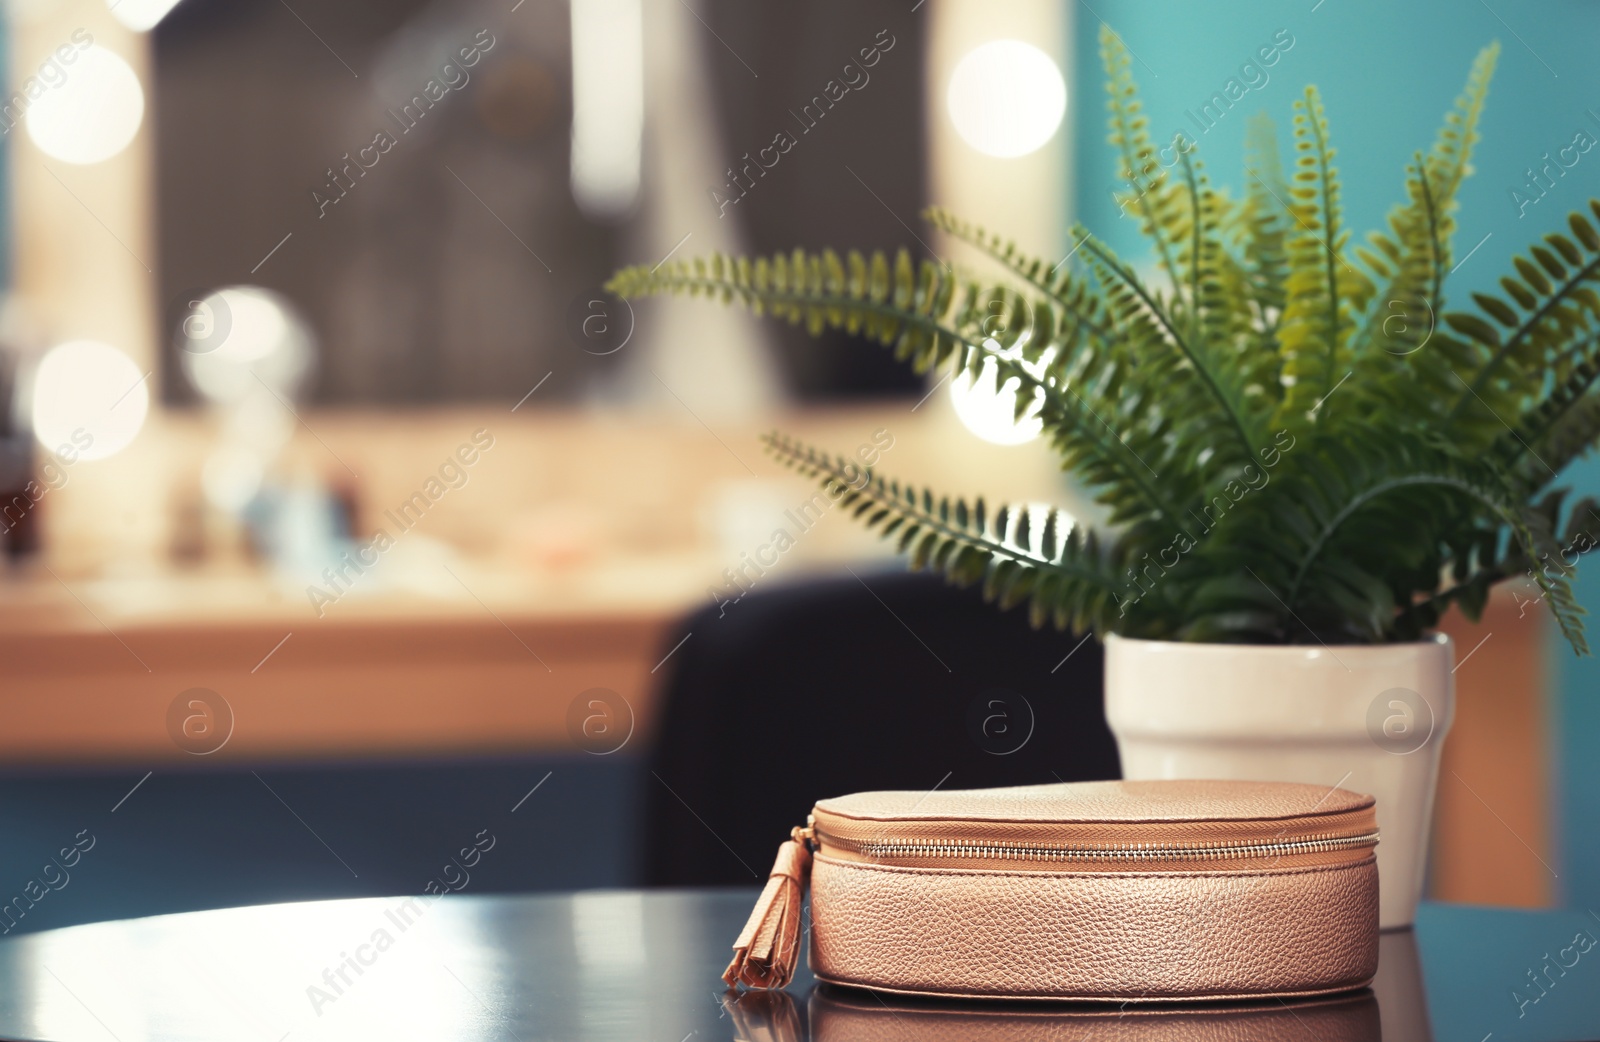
<point x="19" y="489"/>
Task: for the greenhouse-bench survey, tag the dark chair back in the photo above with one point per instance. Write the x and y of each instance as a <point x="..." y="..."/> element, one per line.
<point x="882" y="681"/>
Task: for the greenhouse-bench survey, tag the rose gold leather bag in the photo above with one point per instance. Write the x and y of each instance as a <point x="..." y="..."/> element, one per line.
<point x="1130" y="891"/>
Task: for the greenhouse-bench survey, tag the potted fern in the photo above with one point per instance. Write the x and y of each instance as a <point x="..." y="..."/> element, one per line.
<point x="1306" y="459"/>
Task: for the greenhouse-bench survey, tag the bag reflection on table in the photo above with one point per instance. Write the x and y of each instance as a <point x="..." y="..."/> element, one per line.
<point x="846" y="1015"/>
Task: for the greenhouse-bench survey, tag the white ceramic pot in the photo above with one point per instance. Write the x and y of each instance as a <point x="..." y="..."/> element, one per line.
<point x="1368" y="718"/>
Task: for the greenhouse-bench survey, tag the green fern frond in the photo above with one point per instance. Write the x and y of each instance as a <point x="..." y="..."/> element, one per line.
<point x="1208" y="394"/>
<point x="1449" y="161"/>
<point x="1550" y="301"/>
<point x="1323" y="289"/>
<point x="1362" y="528"/>
<point x="1393" y="374"/>
<point x="1556" y="425"/>
<point x="1151" y="194"/>
<point x="1062" y="573"/>
<point x="1546" y="445"/>
<point x="932" y="319"/>
<point x="1574" y="434"/>
<point x="1056" y="282"/>
<point x="1268" y="226"/>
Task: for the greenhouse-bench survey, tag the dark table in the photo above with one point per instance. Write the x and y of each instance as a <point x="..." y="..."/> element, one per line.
<point x="644" y="966"/>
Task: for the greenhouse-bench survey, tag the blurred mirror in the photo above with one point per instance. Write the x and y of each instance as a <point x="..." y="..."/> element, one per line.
<point x="440" y="188"/>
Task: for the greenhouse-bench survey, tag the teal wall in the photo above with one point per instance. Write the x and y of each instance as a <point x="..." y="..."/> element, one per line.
<point x="1388" y="71"/>
<point x="1575" y="727"/>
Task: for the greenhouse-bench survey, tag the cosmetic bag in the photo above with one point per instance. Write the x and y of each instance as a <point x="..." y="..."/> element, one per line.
<point x="1127" y="891"/>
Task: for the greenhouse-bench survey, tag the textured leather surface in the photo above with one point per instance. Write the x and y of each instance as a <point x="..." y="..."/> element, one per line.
<point x="838" y="1016"/>
<point x="1106" y="801"/>
<point x="1149" y="936"/>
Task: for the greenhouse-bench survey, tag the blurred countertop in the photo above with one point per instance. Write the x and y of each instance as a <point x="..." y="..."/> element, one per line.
<point x="560" y="567"/>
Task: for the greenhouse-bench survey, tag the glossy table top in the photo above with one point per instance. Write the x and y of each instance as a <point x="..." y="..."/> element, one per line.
<point x="639" y="966"/>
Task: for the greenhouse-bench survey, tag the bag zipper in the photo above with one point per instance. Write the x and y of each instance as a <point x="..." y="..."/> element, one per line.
<point x="888" y="847"/>
<point x="889" y="850"/>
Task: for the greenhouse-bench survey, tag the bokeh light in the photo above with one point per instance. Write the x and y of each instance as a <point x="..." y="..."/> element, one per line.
<point x="140" y="15"/>
<point x="90" y="396"/>
<point x="989" y="410"/>
<point x="92" y="114"/>
<point x="239" y="338"/>
<point x="1006" y="98"/>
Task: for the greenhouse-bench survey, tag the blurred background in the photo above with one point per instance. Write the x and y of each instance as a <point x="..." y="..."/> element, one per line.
<point x="346" y="517"/>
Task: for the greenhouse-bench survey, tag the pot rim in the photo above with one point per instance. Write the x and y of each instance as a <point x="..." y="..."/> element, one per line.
<point x="1437" y="640"/>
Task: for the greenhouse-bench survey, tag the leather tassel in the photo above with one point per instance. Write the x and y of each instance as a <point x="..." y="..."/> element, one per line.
<point x="768" y="948"/>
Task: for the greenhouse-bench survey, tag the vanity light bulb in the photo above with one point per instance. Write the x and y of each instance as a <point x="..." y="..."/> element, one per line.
<point x="91" y="112"/>
<point x="140" y="15"/>
<point x="989" y="411"/>
<point x="1006" y="98"/>
<point x="89" y="396"/>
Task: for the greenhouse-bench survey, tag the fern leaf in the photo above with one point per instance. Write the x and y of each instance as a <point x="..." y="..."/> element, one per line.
<point x="1199" y="388"/>
<point x="1074" y="584"/>
<point x="1558" y="303"/>
<point x="1267" y="228"/>
<point x="1055" y="282"/>
<point x="1322" y="286"/>
<point x="1150" y="195"/>
<point x="936" y="319"/>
